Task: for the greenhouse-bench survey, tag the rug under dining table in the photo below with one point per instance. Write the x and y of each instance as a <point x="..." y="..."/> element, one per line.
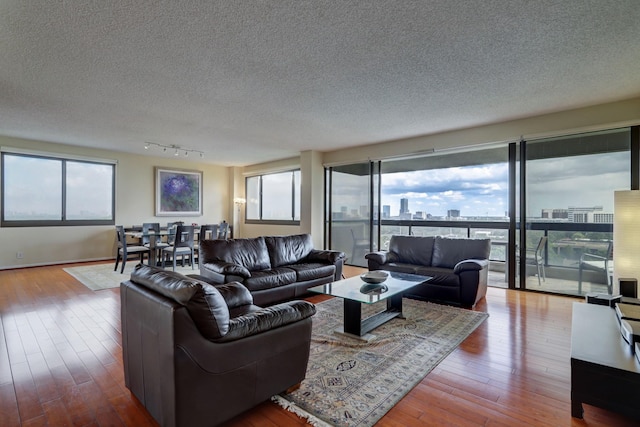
<point x="102" y="276"/>
<point x="351" y="382"/>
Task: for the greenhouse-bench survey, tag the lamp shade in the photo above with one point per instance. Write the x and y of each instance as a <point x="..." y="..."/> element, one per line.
<point x="626" y="236"/>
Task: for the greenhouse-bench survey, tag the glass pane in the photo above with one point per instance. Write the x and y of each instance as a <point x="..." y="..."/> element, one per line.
<point x="32" y="188"/>
<point x="296" y="195"/>
<point x="570" y="184"/>
<point x="277" y="196"/>
<point x="253" y="197"/>
<point x="471" y="186"/>
<point x="89" y="191"/>
<point x="350" y="211"/>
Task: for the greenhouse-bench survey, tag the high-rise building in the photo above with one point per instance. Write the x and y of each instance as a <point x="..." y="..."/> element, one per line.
<point x="386" y="211"/>
<point x="453" y="213"/>
<point x="404" y="206"/>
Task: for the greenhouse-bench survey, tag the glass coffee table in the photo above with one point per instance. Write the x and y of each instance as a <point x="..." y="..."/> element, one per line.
<point x="355" y="292"/>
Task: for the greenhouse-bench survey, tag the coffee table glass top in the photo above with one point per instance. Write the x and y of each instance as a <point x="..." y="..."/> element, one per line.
<point x="356" y="289"/>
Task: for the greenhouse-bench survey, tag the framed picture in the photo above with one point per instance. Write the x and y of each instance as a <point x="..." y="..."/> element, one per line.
<point x="178" y="192"/>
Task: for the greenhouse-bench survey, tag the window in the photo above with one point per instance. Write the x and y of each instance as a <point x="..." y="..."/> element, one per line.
<point x="274" y="197"/>
<point x="48" y="191"/>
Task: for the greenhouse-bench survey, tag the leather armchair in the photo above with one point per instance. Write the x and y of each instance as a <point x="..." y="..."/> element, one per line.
<point x="197" y="355"/>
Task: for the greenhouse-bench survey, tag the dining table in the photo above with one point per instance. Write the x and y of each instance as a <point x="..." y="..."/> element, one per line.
<point x="154" y="239"/>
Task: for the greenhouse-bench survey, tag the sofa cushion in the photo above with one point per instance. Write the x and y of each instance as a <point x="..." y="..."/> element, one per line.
<point x="439" y="276"/>
<point x="285" y="250"/>
<point x="312" y="270"/>
<point x="267" y="279"/>
<point x="205" y="304"/>
<point x="448" y="252"/>
<point x="412" y="249"/>
<point x="401" y="267"/>
<point x="249" y="253"/>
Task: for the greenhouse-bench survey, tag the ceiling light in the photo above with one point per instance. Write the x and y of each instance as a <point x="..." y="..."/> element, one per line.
<point x="176" y="149"/>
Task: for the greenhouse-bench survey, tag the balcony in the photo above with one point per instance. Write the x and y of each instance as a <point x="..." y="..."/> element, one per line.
<point x="566" y="244"/>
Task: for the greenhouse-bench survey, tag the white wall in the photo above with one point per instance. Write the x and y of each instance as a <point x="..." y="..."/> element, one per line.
<point x="134" y="205"/>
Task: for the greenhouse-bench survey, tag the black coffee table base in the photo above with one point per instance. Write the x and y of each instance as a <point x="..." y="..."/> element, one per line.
<point x="354" y="325"/>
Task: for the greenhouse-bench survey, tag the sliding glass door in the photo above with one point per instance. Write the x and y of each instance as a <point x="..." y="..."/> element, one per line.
<point x="546" y="205"/>
<point x="569" y="187"/>
<point x="350" y="216"/>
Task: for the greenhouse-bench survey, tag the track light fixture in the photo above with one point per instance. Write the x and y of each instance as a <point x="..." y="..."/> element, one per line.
<point x="176" y="149"/>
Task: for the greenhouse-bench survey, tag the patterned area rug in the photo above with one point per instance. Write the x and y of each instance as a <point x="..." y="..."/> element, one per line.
<point x="351" y="382"/>
<point x="101" y="276"/>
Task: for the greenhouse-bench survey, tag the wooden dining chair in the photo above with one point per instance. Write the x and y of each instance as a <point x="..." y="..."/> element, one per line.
<point x="223" y="230"/>
<point x="207" y="232"/>
<point x="171" y="231"/>
<point x="151" y="237"/>
<point x="182" y="246"/>
<point x="125" y="250"/>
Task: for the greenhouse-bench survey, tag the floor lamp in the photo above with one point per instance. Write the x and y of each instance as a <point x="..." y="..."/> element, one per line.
<point x="239" y="202"/>
<point x="626" y="237"/>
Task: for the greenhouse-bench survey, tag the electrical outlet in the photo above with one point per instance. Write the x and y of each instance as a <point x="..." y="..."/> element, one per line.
<point x="19" y="255"/>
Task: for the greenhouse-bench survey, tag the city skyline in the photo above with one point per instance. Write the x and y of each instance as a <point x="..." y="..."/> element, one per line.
<point x="482" y="190"/>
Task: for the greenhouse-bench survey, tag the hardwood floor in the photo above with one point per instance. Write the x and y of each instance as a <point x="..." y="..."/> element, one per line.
<point x="61" y="363"/>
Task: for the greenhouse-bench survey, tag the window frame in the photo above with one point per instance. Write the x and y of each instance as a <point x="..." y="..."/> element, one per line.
<point x="63" y="199"/>
<point x="294" y="200"/>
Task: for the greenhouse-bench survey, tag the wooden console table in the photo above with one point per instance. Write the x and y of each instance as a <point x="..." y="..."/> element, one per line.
<point x="604" y="370"/>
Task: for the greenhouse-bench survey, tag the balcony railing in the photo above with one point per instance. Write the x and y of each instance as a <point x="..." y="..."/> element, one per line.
<point x="566" y="242"/>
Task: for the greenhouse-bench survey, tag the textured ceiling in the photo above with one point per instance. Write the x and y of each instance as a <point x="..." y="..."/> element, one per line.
<point x="252" y="81"/>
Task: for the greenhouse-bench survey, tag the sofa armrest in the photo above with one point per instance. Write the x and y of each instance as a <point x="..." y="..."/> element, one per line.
<point x="382" y="257"/>
<point x="226" y="268"/>
<point x="268" y="318"/>
<point x="235" y="294"/>
<point x="470" y="265"/>
<point x="325" y="255"/>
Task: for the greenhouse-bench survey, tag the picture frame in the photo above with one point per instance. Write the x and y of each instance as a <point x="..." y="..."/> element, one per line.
<point x="178" y="192"/>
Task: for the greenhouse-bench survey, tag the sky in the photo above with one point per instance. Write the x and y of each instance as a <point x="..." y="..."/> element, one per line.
<point x="557" y="183"/>
<point x="34" y="189"/>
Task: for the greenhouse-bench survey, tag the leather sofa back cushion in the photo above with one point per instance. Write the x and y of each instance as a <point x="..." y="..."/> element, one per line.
<point x="285" y="250"/>
<point x="412" y="249"/>
<point x="250" y="253"/>
<point x="205" y="304"/>
<point x="448" y="252"/>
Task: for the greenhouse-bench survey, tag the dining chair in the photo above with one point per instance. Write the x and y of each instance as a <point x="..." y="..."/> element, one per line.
<point x="223" y="230"/>
<point x="171" y="231"/>
<point x="182" y="246"/>
<point x="151" y="237"/>
<point x="207" y="232"/>
<point x="125" y="250"/>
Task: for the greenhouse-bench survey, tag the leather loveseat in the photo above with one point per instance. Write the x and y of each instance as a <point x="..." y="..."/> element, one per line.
<point x="196" y="354"/>
<point x="459" y="267"/>
<point x="273" y="268"/>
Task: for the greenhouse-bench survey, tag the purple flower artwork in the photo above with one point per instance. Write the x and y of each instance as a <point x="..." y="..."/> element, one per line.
<point x="178" y="192"/>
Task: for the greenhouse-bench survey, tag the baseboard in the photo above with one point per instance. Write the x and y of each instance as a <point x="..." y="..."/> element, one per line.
<point x="44" y="264"/>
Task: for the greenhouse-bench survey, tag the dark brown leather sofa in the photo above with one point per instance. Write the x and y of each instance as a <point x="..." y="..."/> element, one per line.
<point x="459" y="267"/>
<point x="273" y="268"/>
<point x="197" y="355"/>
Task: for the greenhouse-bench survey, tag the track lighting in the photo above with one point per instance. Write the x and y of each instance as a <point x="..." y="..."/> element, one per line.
<point x="177" y="149"/>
